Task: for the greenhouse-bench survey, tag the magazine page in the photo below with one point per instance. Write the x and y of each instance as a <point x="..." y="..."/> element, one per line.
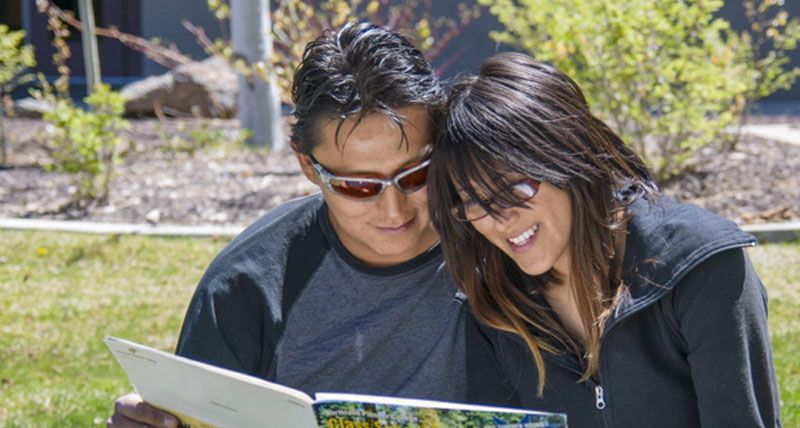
<point x="202" y="395"/>
<point x="365" y="411"/>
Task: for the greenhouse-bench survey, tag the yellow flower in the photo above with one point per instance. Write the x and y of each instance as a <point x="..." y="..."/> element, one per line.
<point x="41" y="251"/>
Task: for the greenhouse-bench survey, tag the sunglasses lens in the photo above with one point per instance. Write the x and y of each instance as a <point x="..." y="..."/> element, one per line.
<point x="414" y="180"/>
<point x="355" y="188"/>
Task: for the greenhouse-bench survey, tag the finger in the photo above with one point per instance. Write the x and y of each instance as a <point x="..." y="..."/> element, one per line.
<point x="118" y="421"/>
<point x="133" y="408"/>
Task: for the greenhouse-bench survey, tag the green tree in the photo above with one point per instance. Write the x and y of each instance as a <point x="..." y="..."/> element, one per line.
<point x="15" y="60"/>
<point x="668" y="76"/>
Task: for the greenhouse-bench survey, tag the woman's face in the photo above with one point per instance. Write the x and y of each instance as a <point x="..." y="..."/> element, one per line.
<point x="536" y="236"/>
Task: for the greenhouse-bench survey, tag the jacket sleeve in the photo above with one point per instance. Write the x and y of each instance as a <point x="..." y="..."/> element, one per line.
<point x="721" y="308"/>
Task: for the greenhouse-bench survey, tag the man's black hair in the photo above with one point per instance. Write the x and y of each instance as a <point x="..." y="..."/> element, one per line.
<point x="360" y="69"/>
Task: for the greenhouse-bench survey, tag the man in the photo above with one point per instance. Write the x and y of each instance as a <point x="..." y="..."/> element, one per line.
<point x="347" y="291"/>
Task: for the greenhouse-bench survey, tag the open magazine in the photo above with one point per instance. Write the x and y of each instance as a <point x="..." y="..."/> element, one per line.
<point x="202" y="395"/>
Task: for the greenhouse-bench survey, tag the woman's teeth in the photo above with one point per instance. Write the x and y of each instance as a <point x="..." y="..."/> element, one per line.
<point x="523" y="237"/>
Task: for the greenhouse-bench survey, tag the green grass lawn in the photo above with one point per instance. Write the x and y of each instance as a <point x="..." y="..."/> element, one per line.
<point x="778" y="266"/>
<point x="61" y="293"/>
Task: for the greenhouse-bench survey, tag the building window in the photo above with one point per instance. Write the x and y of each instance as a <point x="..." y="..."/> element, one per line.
<point x="11" y="14"/>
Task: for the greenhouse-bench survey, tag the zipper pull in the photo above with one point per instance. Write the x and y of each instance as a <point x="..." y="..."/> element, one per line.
<point x="599" y="398"/>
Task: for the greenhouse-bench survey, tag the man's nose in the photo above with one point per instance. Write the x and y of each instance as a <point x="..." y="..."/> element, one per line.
<point x="392" y="204"/>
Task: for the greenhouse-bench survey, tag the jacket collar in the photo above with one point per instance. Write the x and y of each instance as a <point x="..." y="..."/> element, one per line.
<point x="665" y="240"/>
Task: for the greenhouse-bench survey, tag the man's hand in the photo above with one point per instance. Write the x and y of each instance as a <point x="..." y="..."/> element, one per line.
<point x="131" y="411"/>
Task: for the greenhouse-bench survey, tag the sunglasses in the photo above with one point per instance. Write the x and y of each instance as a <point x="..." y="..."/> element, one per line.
<point x="406" y="181"/>
<point x="521" y="191"/>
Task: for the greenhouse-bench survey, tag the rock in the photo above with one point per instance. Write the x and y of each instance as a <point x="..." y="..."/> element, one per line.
<point x="31" y="108"/>
<point x="219" y="80"/>
<point x="206" y="88"/>
<point x="219" y="217"/>
<point x="142" y="96"/>
<point x="154" y="216"/>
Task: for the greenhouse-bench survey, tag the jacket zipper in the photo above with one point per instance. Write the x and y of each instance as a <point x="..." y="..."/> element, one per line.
<point x="599" y="397"/>
<point x="597" y="388"/>
<point x="600" y="402"/>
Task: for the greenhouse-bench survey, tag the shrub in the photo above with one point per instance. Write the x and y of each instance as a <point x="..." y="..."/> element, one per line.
<point x="668" y="76"/>
<point x="15" y="59"/>
<point x="86" y="141"/>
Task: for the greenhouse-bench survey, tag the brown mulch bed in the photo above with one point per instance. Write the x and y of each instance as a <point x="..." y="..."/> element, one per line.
<point x="161" y="180"/>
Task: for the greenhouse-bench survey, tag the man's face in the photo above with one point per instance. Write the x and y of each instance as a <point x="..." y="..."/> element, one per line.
<point x="394" y="227"/>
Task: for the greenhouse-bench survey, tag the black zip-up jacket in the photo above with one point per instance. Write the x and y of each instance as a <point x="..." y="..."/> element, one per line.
<point x="689" y="347"/>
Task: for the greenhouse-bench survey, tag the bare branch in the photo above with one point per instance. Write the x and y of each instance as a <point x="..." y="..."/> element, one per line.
<point x="167" y="56"/>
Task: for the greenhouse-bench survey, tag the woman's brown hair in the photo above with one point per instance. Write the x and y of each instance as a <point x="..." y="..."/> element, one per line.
<point x="522" y="116"/>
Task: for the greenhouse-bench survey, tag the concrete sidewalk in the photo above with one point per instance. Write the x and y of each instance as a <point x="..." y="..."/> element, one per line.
<point x="782" y="132"/>
<point x="119" y="228"/>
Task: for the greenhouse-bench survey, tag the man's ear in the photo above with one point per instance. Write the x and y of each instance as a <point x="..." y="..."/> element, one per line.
<point x="306" y="167"/>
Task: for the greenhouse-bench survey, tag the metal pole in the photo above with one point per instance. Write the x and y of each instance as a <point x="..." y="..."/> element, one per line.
<point x="91" y="59"/>
<point x="26" y="20"/>
<point x="259" y="100"/>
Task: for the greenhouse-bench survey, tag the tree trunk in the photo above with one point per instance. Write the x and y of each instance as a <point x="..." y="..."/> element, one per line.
<point x="3" y="141"/>
<point x="91" y="58"/>
<point x="259" y="100"/>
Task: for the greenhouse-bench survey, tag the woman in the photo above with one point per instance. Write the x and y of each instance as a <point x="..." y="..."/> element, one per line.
<point x="614" y="304"/>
